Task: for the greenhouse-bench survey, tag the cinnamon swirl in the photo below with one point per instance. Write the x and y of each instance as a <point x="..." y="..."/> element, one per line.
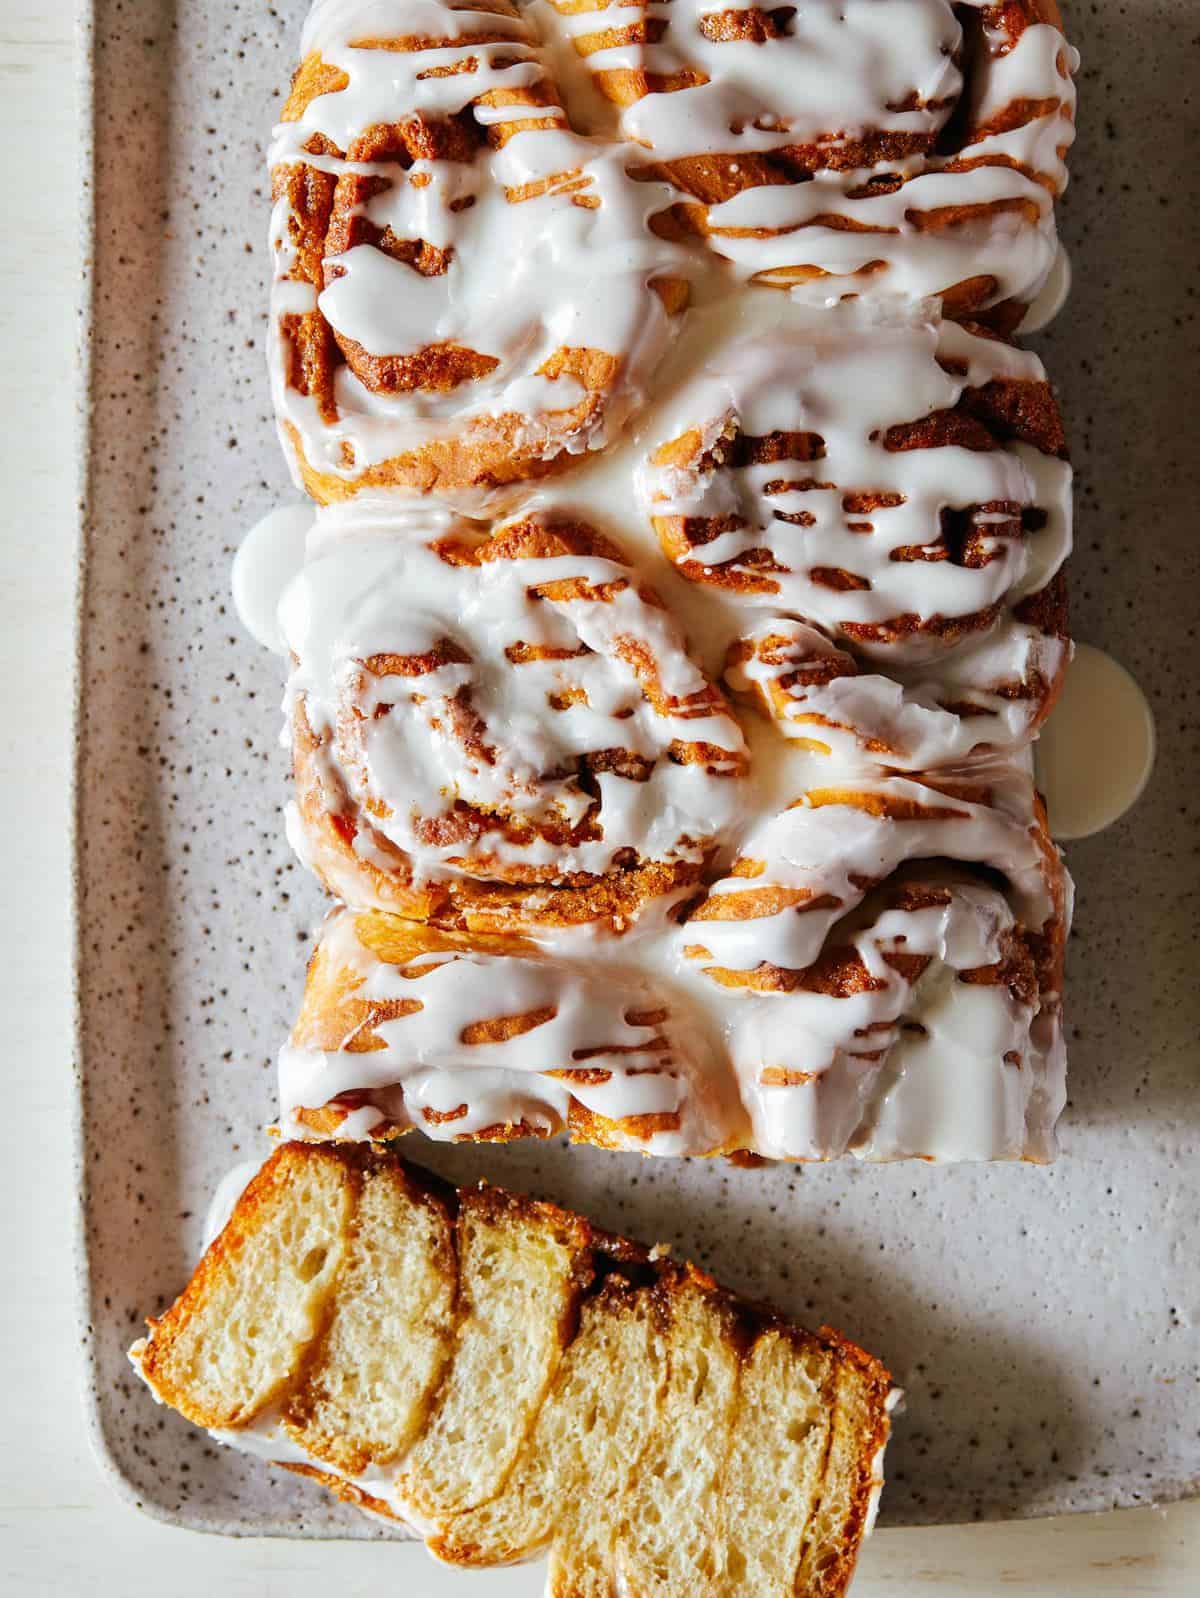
<point x="498" y="730"/>
<point x="898" y="948"/>
<point x="893" y="499"/>
<point x="481" y="1039"/>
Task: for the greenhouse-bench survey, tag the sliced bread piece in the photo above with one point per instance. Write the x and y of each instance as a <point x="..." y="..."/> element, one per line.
<point x="775" y="1468"/>
<point x="237" y="1336"/>
<point x="511" y="1381"/>
<point x="600" y="1410"/>
<point x="671" y="1533"/>
<point x="523" y="1267"/>
<point x="365" y="1394"/>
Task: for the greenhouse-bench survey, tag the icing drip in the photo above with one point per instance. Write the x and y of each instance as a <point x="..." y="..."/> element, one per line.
<point x="268" y="557"/>
<point x="824" y="1073"/>
<point x="1051" y="297"/>
<point x="1096" y="754"/>
<point x="853" y="146"/>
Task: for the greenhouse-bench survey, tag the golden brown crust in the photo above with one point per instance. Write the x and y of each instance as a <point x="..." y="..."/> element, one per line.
<point x="860" y="1431"/>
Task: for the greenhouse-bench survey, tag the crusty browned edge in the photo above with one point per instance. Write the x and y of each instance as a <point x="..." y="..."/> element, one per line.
<point x="497" y="1203"/>
<point x="870" y="1427"/>
<point x="864" y="1434"/>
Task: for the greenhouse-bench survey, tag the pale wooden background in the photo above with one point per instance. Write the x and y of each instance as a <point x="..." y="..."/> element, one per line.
<point x="62" y="1531"/>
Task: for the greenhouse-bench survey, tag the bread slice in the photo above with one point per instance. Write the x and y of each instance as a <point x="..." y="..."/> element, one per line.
<point x="602" y="1407"/>
<point x="671" y="1535"/>
<point x="236" y="1337"/>
<point x="364" y="1396"/>
<point x="522" y="1269"/>
<point x="511" y="1381"/>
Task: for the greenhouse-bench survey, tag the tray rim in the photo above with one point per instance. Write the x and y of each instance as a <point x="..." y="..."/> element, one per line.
<point x="84" y="1283"/>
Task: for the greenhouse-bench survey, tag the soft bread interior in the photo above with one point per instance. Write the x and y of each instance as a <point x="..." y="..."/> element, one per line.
<point x="596" y="1417"/>
<point x="671" y="1534"/>
<point x="237" y="1336"/>
<point x="365" y="1394"/>
<point x="514" y="1381"/>
<point x="522" y="1268"/>
<point x="775" y="1466"/>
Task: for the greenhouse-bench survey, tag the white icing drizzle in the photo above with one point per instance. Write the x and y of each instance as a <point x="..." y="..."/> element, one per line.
<point x="832" y="849"/>
<point x="937" y="1068"/>
<point x="821" y="700"/>
<point x="532" y="681"/>
<point x="549" y="248"/>
<point x="853" y="219"/>
<point x="928" y="1065"/>
<point x="602" y="1036"/>
<point x="852" y="697"/>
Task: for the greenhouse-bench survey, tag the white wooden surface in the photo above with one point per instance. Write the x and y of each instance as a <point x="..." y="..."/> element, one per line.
<point x="62" y="1531"/>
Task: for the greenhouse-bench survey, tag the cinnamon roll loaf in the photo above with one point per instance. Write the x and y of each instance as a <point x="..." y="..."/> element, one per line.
<point x="498" y="730"/>
<point x="586" y="893"/>
<point x="890" y="504"/>
<point x="849" y="147"/>
<point x="466" y="292"/>
<point x="509" y="1381"/>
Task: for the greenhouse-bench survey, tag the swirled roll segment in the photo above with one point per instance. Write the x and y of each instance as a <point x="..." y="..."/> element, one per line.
<point x="850" y="147"/>
<point x="898" y="947"/>
<point x="470" y="1038"/>
<point x="499" y="730"/>
<point x="467" y="294"/>
<point x="891" y="504"/>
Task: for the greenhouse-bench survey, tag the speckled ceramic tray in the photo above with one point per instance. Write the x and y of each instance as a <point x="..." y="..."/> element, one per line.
<point x="1045" y="1322"/>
